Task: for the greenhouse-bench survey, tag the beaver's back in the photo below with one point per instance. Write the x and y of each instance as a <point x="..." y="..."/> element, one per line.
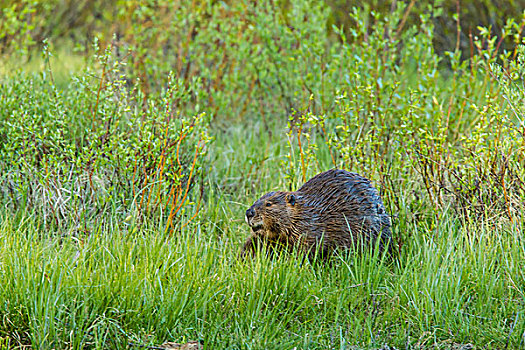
<point x="347" y="208"/>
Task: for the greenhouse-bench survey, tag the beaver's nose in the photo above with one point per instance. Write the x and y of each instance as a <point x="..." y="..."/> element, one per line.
<point x="250" y="213"/>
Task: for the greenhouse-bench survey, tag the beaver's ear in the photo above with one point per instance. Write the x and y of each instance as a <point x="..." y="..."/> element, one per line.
<point x="290" y="198"/>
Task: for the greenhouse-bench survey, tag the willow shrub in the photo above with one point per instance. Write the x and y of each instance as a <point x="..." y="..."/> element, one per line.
<point x="100" y="151"/>
<point x="432" y="138"/>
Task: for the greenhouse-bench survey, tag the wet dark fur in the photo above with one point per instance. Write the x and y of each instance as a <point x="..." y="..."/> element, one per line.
<point x="334" y="209"/>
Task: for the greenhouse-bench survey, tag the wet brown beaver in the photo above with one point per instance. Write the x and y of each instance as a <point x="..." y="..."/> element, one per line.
<point x="334" y="209"/>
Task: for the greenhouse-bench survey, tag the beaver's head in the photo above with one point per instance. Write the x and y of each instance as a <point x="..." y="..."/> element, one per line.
<point x="269" y="216"/>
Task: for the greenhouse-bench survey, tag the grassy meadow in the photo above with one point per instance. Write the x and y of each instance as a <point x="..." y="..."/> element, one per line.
<point x="126" y="167"/>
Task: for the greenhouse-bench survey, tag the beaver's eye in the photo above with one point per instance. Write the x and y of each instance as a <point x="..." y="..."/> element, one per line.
<point x="268" y="204"/>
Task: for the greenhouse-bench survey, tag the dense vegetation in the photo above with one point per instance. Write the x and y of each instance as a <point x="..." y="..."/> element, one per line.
<point x="124" y="182"/>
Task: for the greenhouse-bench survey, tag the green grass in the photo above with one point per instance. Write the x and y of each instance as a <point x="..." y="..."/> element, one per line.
<point x="117" y="286"/>
<point x="453" y="283"/>
<point x="63" y="62"/>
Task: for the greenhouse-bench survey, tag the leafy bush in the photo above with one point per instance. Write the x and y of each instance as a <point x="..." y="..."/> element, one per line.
<point x="99" y="151"/>
<point x="452" y="140"/>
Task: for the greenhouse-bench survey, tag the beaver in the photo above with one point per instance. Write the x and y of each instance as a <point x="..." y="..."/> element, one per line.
<point x="334" y="209"/>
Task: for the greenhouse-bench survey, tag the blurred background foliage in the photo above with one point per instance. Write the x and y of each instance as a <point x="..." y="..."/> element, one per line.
<point x="26" y="23"/>
<point x="455" y="22"/>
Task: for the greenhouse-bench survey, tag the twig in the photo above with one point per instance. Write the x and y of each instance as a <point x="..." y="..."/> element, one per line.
<point x="131" y="345"/>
